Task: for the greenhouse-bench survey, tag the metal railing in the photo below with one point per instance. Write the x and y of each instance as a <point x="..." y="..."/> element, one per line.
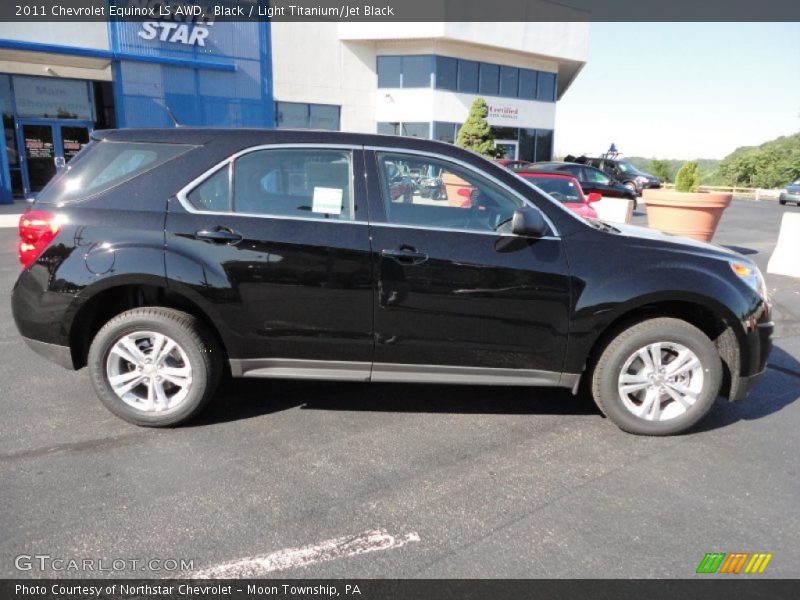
<point x="756" y="193"/>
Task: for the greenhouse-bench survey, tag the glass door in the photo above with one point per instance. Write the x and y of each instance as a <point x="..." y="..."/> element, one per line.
<point x="47" y="146"/>
<point x="39" y="154"/>
<point x="510" y="149"/>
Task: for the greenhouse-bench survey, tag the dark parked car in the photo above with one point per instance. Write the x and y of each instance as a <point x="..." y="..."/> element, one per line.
<point x="791" y="193"/>
<point x="625" y="172"/>
<point x="592" y="180"/>
<point x="162" y="258"/>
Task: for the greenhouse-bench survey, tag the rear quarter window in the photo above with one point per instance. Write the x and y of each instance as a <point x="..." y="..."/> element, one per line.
<point x="104" y="165"/>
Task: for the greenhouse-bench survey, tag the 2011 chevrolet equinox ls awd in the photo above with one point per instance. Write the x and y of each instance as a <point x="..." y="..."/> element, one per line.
<point x="161" y="259"/>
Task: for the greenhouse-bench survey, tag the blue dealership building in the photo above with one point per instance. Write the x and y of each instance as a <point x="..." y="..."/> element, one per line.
<point x="59" y="81"/>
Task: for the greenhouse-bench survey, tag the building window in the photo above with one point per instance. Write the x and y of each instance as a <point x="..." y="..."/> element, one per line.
<point x="527" y="84"/>
<point x="546" y="91"/>
<point x="544" y="144"/>
<point x="324" y="116"/>
<point x="489" y="79"/>
<point x="446" y="73"/>
<point x="417" y="130"/>
<point x="389" y="128"/>
<point x="298" y="115"/>
<point x="445" y="132"/>
<point x="390" y="69"/>
<point x="468" y="76"/>
<point x="509" y="82"/>
<point x="417" y="71"/>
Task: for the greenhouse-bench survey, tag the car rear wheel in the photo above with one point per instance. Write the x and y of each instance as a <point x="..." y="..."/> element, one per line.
<point x="658" y="377"/>
<point x="154" y="366"/>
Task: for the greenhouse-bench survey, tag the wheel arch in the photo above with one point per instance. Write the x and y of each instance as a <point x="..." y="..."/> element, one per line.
<point x="712" y="318"/>
<point x="100" y="304"/>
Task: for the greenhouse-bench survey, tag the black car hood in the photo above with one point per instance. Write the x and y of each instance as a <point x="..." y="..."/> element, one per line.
<point x="674" y="242"/>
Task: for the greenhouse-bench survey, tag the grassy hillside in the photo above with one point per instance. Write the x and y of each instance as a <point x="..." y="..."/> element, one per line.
<point x="770" y="165"/>
<point x="707" y="167"/>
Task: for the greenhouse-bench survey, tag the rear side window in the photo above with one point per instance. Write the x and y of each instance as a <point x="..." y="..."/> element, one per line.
<point x="305" y="184"/>
<point x="104" y="165"/>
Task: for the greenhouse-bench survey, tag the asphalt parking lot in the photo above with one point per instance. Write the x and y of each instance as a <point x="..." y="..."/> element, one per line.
<point x="402" y="480"/>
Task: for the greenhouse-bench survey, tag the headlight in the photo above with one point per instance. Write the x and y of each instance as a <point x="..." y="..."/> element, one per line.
<point x="642" y="179"/>
<point x="751" y="275"/>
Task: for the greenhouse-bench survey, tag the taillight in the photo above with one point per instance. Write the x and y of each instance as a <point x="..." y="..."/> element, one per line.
<point x="37" y="228"/>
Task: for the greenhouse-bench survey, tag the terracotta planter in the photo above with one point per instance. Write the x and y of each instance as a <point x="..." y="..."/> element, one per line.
<point x="458" y="191"/>
<point x="691" y="214"/>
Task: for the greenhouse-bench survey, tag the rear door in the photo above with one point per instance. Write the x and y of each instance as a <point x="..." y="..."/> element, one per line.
<point x="276" y="241"/>
<point x="459" y="298"/>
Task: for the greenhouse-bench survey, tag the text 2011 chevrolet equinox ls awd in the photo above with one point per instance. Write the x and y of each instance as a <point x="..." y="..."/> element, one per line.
<point x="161" y="258"/>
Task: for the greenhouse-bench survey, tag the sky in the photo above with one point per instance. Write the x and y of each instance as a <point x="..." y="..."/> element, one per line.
<point x="682" y="90"/>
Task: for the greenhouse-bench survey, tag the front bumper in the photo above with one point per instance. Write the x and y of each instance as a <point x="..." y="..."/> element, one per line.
<point x="760" y="347"/>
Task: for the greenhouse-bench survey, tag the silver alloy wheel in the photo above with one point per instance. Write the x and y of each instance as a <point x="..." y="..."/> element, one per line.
<point x="149" y="371"/>
<point x="660" y="381"/>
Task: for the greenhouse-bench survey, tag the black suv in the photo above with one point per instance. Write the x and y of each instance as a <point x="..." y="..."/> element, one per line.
<point x="625" y="172"/>
<point x="164" y="259"/>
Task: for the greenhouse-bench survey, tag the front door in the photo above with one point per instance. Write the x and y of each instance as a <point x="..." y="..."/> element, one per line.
<point x="48" y="146"/>
<point x="459" y="297"/>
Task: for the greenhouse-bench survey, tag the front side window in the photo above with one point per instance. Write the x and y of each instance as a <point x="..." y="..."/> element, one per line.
<point x="560" y="188"/>
<point x="454" y="197"/>
<point x="595" y="176"/>
<point x="214" y="194"/>
<point x="294" y="183"/>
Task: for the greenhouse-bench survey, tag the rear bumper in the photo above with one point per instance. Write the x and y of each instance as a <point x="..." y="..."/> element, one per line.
<point x="790" y="197"/>
<point x="61" y="355"/>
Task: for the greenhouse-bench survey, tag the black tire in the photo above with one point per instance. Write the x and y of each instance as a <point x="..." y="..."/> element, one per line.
<point x="608" y="368"/>
<point x="190" y="334"/>
<point x="783" y="202"/>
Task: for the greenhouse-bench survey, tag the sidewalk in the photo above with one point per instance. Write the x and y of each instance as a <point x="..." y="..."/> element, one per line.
<point x="9" y="213"/>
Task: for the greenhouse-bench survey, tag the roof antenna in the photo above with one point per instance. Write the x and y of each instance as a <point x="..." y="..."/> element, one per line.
<point x="172" y="115"/>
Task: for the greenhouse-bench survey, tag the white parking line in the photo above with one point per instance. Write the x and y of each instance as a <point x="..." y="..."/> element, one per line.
<point x="9" y="220"/>
<point x="291" y="558"/>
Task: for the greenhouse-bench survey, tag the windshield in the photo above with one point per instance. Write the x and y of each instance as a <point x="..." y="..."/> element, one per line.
<point x="559" y="188"/>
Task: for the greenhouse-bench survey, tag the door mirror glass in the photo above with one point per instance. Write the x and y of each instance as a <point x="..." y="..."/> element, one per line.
<point x="528" y="222"/>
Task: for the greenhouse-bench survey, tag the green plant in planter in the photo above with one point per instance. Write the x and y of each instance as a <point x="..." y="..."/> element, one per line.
<point x="476" y="134"/>
<point x="688" y="178"/>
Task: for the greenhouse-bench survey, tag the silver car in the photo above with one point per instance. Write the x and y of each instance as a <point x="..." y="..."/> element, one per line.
<point x="791" y="193"/>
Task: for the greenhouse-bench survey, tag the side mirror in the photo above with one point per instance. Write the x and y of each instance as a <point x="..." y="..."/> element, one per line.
<point x="528" y="222"/>
<point x="593" y="197"/>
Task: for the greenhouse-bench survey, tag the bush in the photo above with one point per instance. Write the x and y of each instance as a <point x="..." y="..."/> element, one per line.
<point x="688" y="178"/>
<point x="475" y="134"/>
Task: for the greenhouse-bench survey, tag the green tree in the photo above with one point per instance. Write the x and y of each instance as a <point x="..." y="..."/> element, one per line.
<point x="475" y="134"/>
<point x="660" y="168"/>
<point x="688" y="178"/>
<point x="770" y="165"/>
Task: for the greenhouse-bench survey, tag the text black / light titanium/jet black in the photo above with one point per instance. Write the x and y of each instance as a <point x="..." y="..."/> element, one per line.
<point x="161" y="258"/>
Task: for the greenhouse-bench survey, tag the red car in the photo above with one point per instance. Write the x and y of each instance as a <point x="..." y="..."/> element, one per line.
<point x="564" y="188"/>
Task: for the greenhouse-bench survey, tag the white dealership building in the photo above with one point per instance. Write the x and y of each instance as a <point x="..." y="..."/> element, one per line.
<point x="419" y="79"/>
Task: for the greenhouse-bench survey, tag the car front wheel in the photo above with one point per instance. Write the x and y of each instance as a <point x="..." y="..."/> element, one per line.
<point x="154" y="366"/>
<point x="658" y="377"/>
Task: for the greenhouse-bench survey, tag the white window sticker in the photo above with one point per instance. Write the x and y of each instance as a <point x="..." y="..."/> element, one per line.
<point x="328" y="200"/>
